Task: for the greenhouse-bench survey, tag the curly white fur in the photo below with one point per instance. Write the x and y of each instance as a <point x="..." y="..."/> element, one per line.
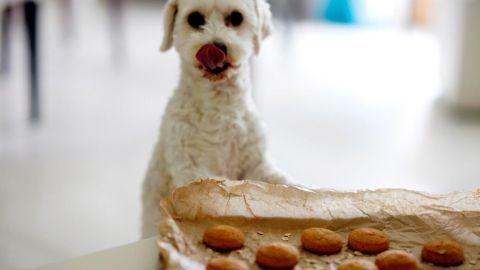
<point x="210" y="129"/>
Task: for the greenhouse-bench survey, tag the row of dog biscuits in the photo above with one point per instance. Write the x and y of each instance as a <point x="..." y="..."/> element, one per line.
<point x="326" y="242"/>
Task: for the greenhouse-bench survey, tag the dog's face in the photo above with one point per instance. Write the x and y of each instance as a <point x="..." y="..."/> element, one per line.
<point x="215" y="37"/>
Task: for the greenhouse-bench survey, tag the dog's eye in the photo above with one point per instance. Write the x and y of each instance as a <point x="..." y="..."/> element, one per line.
<point x="234" y="19"/>
<point x="196" y="20"/>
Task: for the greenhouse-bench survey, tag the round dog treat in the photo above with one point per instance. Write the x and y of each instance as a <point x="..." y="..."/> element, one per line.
<point x="321" y="241"/>
<point x="226" y="264"/>
<point x="443" y="253"/>
<point x="224" y="238"/>
<point x="357" y="264"/>
<point x="368" y="240"/>
<point x="396" y="260"/>
<point x="277" y="256"/>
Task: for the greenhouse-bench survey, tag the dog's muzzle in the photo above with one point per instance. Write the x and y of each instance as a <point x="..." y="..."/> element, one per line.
<point x="213" y="57"/>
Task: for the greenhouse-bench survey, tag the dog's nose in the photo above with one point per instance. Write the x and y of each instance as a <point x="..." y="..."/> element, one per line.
<point x="221" y="46"/>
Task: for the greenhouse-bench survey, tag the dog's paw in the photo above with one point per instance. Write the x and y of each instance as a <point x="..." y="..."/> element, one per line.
<point x="276" y="178"/>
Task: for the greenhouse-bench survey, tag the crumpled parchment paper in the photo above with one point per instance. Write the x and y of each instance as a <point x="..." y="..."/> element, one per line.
<point x="279" y="213"/>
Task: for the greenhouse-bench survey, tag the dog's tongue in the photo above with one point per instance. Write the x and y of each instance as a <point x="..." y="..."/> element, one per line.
<point x="210" y="56"/>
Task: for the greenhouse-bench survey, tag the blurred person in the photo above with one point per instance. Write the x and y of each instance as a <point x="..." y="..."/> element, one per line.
<point x="30" y="10"/>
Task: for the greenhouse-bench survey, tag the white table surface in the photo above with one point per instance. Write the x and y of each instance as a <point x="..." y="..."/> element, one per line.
<point x="142" y="255"/>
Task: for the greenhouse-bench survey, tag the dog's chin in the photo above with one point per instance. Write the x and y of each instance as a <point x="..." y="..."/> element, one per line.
<point x="218" y="74"/>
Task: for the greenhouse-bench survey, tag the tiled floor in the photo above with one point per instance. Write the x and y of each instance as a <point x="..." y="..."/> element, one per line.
<point x="345" y="109"/>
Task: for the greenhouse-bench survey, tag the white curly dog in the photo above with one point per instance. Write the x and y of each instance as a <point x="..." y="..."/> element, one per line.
<point x="210" y="128"/>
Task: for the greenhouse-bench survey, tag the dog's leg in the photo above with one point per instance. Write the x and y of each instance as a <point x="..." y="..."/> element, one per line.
<point x="150" y="214"/>
<point x="156" y="187"/>
<point x="257" y="163"/>
<point x="186" y="157"/>
<point x="160" y="181"/>
<point x="264" y="170"/>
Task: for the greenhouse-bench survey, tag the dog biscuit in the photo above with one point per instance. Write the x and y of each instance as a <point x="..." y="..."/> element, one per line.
<point x="224" y="238"/>
<point x="224" y="263"/>
<point x="357" y="264"/>
<point x="443" y="253"/>
<point x="321" y="241"/>
<point x="396" y="260"/>
<point x="368" y="240"/>
<point x="277" y="256"/>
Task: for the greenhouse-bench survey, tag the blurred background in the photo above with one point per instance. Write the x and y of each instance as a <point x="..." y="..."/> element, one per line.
<point x="355" y="94"/>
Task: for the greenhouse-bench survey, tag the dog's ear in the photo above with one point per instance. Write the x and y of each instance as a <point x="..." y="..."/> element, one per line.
<point x="171" y="9"/>
<point x="265" y="26"/>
